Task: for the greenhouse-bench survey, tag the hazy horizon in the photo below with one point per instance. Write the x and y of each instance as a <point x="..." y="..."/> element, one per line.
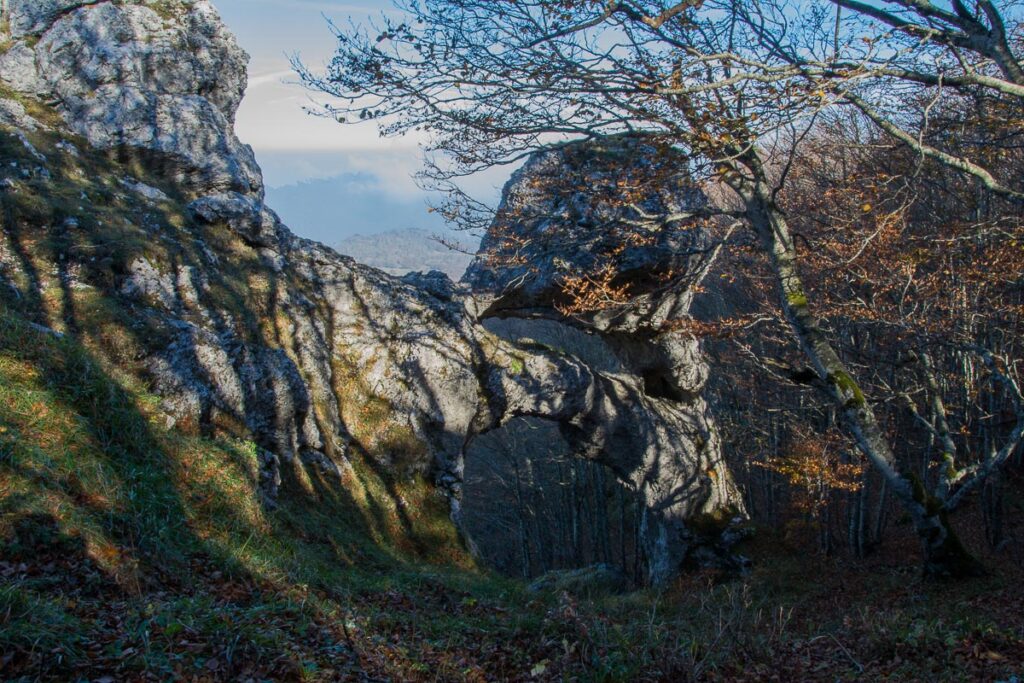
<point x="327" y="181"/>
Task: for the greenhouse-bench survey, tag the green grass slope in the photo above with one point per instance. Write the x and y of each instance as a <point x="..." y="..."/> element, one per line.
<point x="130" y="551"/>
<point x="127" y="547"/>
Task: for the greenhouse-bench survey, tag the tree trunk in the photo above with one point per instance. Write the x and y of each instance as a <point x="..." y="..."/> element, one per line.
<point x="993" y="509"/>
<point x="944" y="555"/>
<point x="524" y="538"/>
<point x="577" y="546"/>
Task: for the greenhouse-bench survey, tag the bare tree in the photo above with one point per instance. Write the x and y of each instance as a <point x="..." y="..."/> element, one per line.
<point x="736" y="86"/>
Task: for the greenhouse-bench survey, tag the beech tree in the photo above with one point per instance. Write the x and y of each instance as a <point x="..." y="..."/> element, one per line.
<point x="737" y="87"/>
<point x="915" y="277"/>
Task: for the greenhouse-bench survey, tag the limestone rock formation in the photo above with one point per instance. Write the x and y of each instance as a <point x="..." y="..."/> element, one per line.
<point x="164" y="77"/>
<point x="644" y="416"/>
<point x="155" y="246"/>
<point x="576" y="210"/>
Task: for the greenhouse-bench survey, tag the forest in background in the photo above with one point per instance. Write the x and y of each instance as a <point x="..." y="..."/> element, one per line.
<point x="919" y="276"/>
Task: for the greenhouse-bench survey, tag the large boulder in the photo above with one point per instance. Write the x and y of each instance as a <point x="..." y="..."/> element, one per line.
<point x="164" y="79"/>
<point x="621" y="206"/>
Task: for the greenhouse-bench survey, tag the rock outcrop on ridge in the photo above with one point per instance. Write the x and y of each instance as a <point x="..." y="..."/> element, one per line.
<point x="564" y="214"/>
<point x="156" y="247"/>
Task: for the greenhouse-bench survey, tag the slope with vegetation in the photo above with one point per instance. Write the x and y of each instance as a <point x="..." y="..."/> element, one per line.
<point x="230" y="454"/>
<point x="131" y="552"/>
<point x="136" y="220"/>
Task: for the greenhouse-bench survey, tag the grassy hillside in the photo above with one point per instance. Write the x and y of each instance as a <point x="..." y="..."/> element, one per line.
<point x="118" y="537"/>
<point x="130" y="551"/>
<point x="121" y="540"/>
<point x="136" y="553"/>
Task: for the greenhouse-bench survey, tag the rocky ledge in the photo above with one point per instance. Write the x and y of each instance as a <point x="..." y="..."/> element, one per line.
<point x="241" y="327"/>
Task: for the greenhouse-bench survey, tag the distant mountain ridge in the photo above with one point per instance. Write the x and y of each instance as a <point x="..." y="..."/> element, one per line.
<point x="349" y="204"/>
<point x="398" y="252"/>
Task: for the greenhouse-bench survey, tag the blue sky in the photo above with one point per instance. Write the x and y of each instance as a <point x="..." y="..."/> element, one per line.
<point x="363" y="182"/>
<point x="271" y="118"/>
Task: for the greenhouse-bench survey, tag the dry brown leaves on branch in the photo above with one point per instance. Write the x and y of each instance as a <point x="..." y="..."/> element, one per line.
<point x="816" y="466"/>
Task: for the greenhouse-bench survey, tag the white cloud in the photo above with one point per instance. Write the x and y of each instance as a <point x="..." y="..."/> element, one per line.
<point x="274" y="77"/>
<point x="290" y="144"/>
<point x="274" y="116"/>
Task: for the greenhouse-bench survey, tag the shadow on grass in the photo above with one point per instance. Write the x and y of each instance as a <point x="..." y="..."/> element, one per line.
<point x="54" y="561"/>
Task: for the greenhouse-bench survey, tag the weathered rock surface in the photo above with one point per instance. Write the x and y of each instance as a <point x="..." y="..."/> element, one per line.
<point x="642" y="415"/>
<point x="574" y="211"/>
<point x="27" y="17"/>
<point x="161" y="77"/>
<point x="246" y="215"/>
<point x="247" y="329"/>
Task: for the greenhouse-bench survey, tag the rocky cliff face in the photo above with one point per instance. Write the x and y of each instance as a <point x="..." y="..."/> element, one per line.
<point x="134" y="219"/>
